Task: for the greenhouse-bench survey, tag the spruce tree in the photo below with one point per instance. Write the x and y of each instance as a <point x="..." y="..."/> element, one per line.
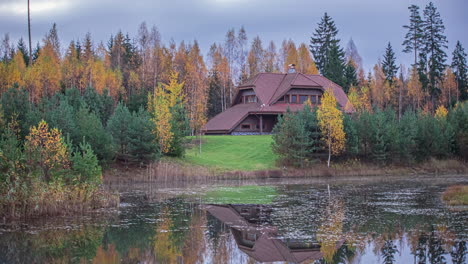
<point x="434" y="43"/>
<point x="334" y="68"/>
<point x="414" y="36"/>
<point x="293" y="137"/>
<point x="389" y="65"/>
<point x="90" y="129"/>
<point x="460" y="69"/>
<point x="322" y="42"/>
<point x="24" y="50"/>
<point x="350" y="77"/>
<point x="118" y="127"/>
<point x="142" y="144"/>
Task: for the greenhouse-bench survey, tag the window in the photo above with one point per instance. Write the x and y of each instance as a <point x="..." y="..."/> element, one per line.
<point x="293" y="98"/>
<point x="286" y="98"/>
<point x="245" y="126"/>
<point x="250" y="236"/>
<point x="303" y="98"/>
<point x="313" y="99"/>
<point x="319" y="100"/>
<point x="252" y="99"/>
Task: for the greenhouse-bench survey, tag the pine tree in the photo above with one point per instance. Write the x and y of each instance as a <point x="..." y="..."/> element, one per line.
<point x="323" y="41"/>
<point x="414" y="37"/>
<point x="460" y="70"/>
<point x="334" y="68"/>
<point x="389" y="65"/>
<point x="434" y="43"/>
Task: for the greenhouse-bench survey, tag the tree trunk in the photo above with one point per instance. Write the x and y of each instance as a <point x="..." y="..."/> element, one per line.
<point x="329" y="146"/>
<point x="399" y="103"/>
<point x="200" y="138"/>
<point x="29" y="33"/>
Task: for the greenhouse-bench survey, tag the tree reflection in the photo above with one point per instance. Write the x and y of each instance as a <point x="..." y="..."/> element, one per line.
<point x="388" y="252"/>
<point x="106" y="255"/>
<point x="165" y="249"/>
<point x="331" y="229"/>
<point x="459" y="252"/>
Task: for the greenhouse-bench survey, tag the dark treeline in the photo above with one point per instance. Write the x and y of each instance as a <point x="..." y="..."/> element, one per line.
<point x="378" y="136"/>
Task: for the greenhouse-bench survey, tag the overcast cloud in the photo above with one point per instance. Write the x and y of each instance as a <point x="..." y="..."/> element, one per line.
<point x="371" y="23"/>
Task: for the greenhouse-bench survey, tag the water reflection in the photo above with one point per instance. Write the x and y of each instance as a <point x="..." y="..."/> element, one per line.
<point x="390" y="222"/>
<point x="254" y="236"/>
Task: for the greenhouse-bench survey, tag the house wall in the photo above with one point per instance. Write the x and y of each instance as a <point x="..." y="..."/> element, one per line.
<point x="243" y="93"/>
<point x="253" y="121"/>
<point x="305" y="91"/>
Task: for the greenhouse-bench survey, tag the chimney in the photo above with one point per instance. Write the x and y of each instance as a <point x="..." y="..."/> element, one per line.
<point x="292" y="68"/>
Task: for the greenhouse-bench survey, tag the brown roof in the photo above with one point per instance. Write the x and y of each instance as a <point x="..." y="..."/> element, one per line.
<point x="228" y="119"/>
<point x="269" y="87"/>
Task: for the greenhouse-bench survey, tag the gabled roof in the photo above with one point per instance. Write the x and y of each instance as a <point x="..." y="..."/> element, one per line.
<point x="269" y="87"/>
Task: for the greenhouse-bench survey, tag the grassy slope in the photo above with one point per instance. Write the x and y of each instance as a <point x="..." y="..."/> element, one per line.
<point x="245" y="153"/>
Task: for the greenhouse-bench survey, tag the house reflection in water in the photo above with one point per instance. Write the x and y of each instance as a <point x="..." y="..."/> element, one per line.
<point x="255" y="236"/>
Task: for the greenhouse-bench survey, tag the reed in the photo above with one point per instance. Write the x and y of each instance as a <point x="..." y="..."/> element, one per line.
<point x="54" y="199"/>
<point x="456" y="195"/>
<point x="173" y="170"/>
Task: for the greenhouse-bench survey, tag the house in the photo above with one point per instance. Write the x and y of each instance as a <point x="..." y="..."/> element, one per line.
<point x="256" y="237"/>
<point x="261" y="99"/>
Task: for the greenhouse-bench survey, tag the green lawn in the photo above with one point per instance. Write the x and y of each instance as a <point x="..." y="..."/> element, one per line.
<point x="245" y="153"/>
<point x="241" y="195"/>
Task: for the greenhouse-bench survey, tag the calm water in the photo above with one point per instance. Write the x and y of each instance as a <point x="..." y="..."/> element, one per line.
<point x="355" y="220"/>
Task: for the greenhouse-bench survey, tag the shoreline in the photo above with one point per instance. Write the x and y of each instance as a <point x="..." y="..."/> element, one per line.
<point x="168" y="171"/>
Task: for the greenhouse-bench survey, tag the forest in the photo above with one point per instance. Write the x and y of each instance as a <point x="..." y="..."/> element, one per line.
<point x="67" y="112"/>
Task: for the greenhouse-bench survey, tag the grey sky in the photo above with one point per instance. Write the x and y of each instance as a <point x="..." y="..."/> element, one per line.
<point x="371" y="23"/>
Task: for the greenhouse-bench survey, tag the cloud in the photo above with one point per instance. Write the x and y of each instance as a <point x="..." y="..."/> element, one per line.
<point x="38" y="7"/>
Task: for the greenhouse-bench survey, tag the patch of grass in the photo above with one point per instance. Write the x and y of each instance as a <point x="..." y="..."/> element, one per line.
<point x="246" y="153"/>
<point x="241" y="195"/>
<point x="456" y="195"/>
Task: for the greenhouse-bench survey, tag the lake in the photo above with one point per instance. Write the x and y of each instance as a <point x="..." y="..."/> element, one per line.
<point x="321" y="220"/>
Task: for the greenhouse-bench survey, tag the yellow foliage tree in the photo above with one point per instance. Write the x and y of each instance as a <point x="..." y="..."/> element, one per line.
<point x="46" y="150"/>
<point x="359" y="99"/>
<point x="330" y="120"/>
<point x="165" y="249"/>
<point x="415" y="91"/>
<point x="449" y="88"/>
<point x="291" y="55"/>
<point x="441" y="112"/>
<point x="16" y="70"/>
<point x="331" y="229"/>
<point x="72" y="69"/>
<point x="160" y="103"/>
